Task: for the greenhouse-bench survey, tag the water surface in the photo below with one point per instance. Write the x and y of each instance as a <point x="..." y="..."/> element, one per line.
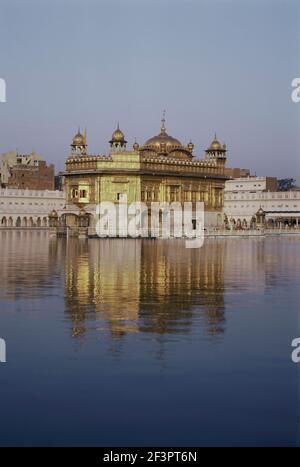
<point x="144" y="342"/>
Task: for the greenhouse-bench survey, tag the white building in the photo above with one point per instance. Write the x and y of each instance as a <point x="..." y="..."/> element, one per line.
<point x="28" y="208"/>
<point x="244" y="197"/>
<point x="251" y="183"/>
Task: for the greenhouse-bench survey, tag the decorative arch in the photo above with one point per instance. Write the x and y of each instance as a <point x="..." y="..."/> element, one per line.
<point x="4" y="221"/>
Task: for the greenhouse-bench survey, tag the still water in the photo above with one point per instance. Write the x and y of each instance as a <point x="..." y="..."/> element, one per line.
<point x="144" y="342"/>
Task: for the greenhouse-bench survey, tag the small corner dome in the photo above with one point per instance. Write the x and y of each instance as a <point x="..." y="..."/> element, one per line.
<point x="215" y="145"/>
<point x="260" y="211"/>
<point x="78" y="139"/>
<point x="118" y="135"/>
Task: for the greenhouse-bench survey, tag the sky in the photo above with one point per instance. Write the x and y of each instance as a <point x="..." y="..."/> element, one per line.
<point x="215" y="66"/>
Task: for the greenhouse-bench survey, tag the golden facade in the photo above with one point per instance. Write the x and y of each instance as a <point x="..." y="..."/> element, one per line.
<point x="161" y="170"/>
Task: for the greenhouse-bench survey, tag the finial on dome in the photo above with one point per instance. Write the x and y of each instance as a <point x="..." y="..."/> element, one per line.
<point x="163" y="121"/>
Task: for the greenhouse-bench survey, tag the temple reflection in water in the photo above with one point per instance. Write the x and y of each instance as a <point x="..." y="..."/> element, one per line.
<point x="114" y="287"/>
<point x="144" y="285"/>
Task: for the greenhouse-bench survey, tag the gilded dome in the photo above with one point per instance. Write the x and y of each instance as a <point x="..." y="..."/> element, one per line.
<point x="162" y="142"/>
<point x="215" y="145"/>
<point x="118" y="135"/>
<point x="78" y="139"/>
<point x="260" y="211"/>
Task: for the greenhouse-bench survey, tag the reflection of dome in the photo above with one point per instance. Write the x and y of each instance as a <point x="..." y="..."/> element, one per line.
<point x="162" y="142"/>
<point x="78" y="139"/>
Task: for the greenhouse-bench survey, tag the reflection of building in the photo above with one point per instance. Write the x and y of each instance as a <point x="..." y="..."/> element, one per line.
<point x="28" y="208"/>
<point x="254" y="200"/>
<point x="162" y="170"/>
<point x="28" y="263"/>
<point x="25" y="171"/>
<point x="246" y="263"/>
<point x="178" y="285"/>
<point x="113" y="288"/>
<point x="144" y="285"/>
<point x="103" y="277"/>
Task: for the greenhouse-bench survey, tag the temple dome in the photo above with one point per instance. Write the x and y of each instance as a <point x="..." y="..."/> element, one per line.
<point x="260" y="211"/>
<point x="118" y="135"/>
<point x="163" y="140"/>
<point x="215" y="145"/>
<point x="78" y="139"/>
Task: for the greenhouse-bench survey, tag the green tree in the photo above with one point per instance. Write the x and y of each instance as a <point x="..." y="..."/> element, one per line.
<point x="286" y="184"/>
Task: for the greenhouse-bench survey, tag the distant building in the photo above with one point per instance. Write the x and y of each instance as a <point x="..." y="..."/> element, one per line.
<point x="25" y="171"/>
<point x="28" y="208"/>
<point x="253" y="184"/>
<point x="253" y="199"/>
<point x="235" y="172"/>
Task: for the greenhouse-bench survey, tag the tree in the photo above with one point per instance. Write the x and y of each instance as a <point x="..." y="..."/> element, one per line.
<point x="286" y="184"/>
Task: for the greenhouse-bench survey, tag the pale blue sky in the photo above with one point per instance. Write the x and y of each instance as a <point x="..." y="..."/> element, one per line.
<point x="223" y="66"/>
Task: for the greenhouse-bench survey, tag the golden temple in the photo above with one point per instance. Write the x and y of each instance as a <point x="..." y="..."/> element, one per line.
<point x="160" y="170"/>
